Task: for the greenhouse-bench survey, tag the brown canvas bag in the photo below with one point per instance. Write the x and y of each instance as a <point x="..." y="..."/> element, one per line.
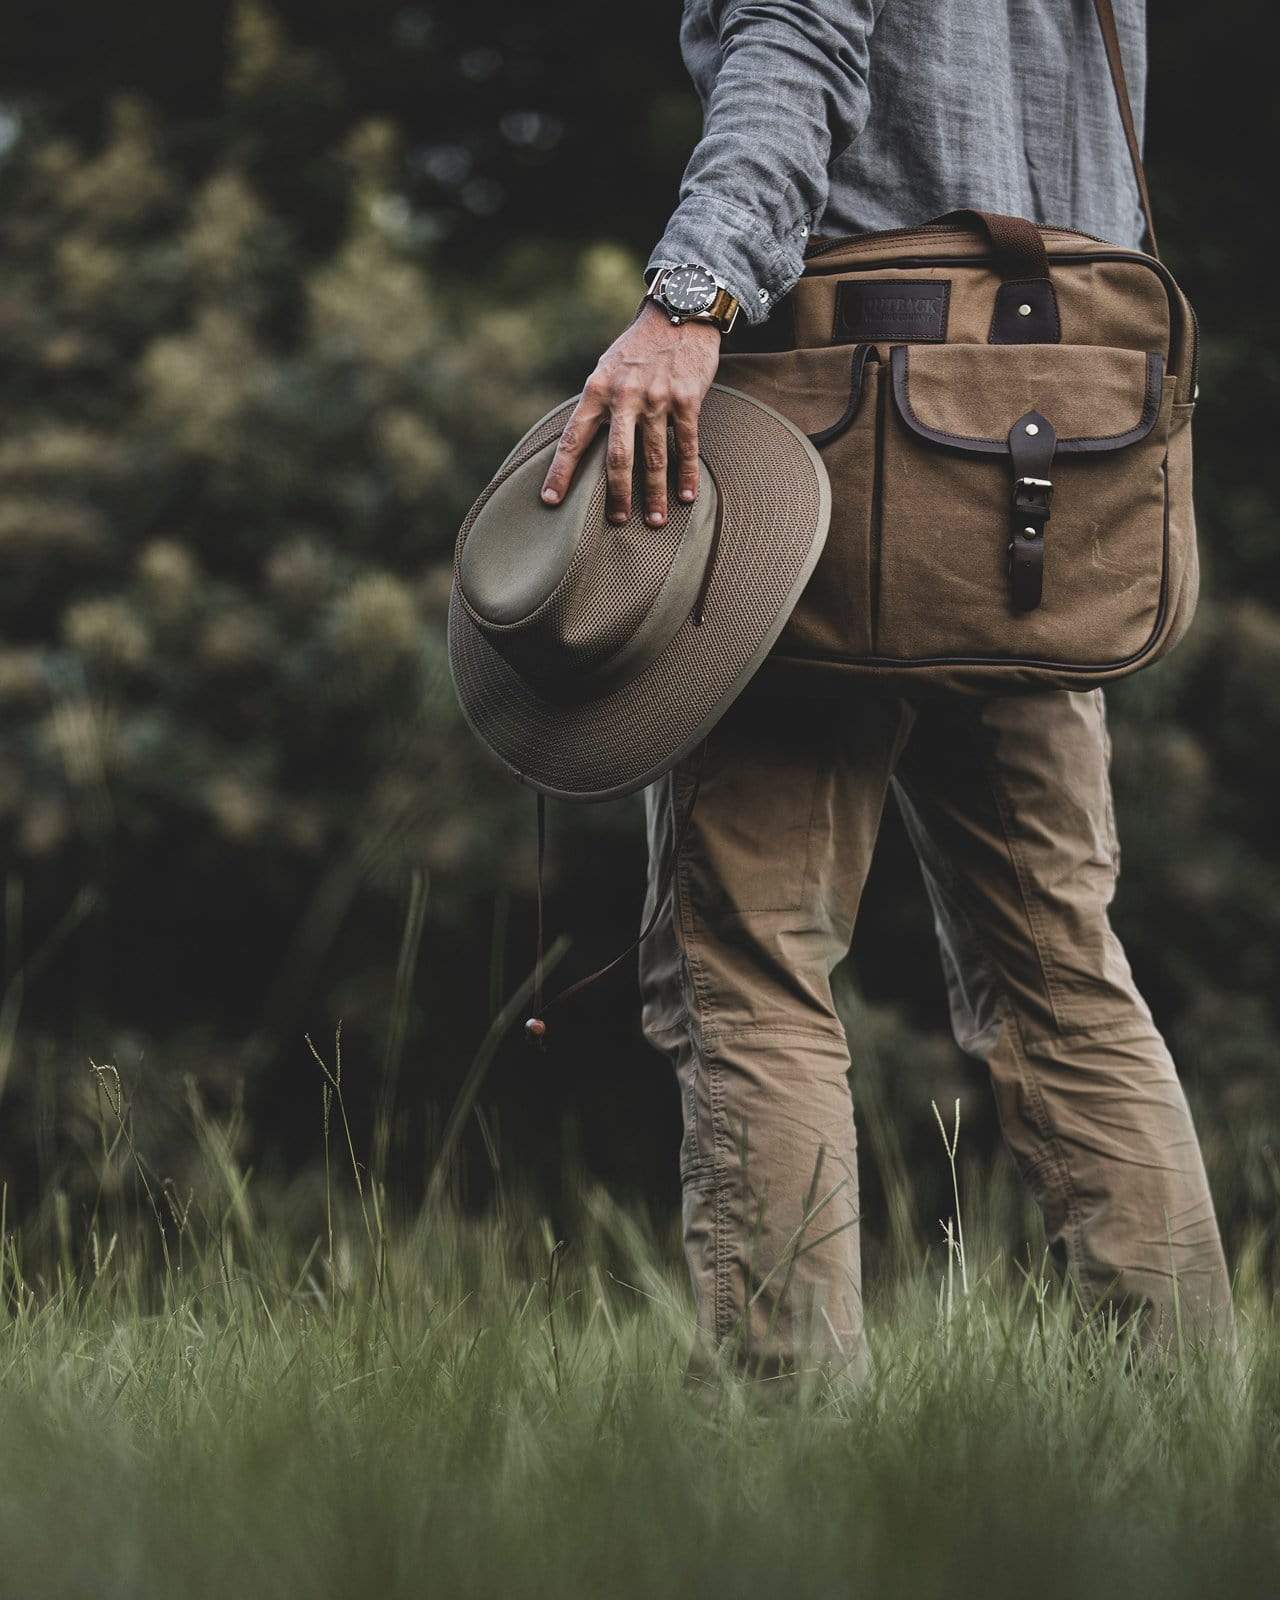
<point x="1004" y="411"/>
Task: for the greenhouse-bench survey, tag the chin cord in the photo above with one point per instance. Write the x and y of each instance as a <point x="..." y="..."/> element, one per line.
<point x="536" y="1027"/>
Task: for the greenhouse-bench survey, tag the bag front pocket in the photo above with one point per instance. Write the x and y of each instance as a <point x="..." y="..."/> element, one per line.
<point x="832" y="393"/>
<point x="957" y="511"/>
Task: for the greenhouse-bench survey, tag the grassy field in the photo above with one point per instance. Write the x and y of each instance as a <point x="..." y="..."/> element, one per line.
<point x="298" y="1394"/>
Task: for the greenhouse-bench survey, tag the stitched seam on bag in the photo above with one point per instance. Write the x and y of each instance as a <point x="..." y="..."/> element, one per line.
<point x="1146" y="420"/>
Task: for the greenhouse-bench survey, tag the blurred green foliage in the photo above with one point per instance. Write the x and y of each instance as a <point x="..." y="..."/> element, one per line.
<point x="258" y="351"/>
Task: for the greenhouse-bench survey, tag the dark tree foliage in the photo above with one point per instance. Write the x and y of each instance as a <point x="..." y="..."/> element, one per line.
<point x="278" y="285"/>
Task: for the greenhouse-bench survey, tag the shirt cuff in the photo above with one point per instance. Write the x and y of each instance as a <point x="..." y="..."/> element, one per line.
<point x="754" y="264"/>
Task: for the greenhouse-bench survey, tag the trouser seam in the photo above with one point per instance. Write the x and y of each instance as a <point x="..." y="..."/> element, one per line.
<point x="723" y="1307"/>
<point x="1113" y="833"/>
<point x="1041" y="945"/>
<point x="698" y="1175"/>
<point x="1117" y="1031"/>
<point x="1073" y="1226"/>
<point x="763" y="1029"/>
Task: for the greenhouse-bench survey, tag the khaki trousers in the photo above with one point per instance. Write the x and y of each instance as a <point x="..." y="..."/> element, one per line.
<point x="1008" y="804"/>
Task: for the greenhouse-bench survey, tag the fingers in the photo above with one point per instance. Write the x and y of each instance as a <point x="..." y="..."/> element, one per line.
<point x="579" y="431"/>
<point x="651" y="402"/>
<point x="619" y="459"/>
<point x="655" y="466"/>
<point x="685" y="422"/>
<point x="680" y="413"/>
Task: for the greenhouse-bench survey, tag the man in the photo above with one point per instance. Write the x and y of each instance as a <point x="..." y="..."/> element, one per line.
<point x="845" y="116"/>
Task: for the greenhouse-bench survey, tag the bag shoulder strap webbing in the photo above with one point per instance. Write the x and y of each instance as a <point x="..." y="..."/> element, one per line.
<point x="1111" y="40"/>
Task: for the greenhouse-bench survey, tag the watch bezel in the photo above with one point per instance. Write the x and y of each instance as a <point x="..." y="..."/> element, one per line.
<point x="700" y="309"/>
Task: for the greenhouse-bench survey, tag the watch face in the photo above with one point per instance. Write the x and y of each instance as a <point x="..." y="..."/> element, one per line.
<point x="689" y="289"/>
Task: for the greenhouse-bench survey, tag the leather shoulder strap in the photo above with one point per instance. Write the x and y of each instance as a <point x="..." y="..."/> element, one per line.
<point x="1111" y="39"/>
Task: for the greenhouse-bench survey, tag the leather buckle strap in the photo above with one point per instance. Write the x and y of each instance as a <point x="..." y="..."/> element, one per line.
<point x="1032" y="442"/>
<point x="1031" y="498"/>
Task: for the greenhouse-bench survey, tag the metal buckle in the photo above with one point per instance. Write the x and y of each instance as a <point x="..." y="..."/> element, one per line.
<point x="1032" y="496"/>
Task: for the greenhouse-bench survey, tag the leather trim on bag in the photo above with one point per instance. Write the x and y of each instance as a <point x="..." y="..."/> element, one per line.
<point x="1073" y="258"/>
<point x="1083" y="444"/>
<point x="857" y="372"/>
<point x="1041" y="323"/>
<point x="1032" y="447"/>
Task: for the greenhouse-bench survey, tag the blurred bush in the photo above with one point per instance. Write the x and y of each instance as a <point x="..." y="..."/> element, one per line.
<point x="229" y="485"/>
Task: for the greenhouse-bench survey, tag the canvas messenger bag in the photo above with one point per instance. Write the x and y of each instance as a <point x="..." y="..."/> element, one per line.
<point x="1004" y="411"/>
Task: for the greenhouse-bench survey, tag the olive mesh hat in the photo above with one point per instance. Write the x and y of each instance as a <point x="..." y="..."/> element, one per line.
<point x="590" y="657"/>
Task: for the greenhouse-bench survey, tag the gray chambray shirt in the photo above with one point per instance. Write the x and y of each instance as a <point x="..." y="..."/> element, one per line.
<point x="844" y="116"/>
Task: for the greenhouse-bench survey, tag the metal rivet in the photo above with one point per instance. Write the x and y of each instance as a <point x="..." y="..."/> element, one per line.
<point x="1031" y="428"/>
<point x="1032" y="533"/>
<point x="1024" y="311"/>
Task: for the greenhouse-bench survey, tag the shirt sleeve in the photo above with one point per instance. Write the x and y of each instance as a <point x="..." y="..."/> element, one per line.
<point x="790" y="95"/>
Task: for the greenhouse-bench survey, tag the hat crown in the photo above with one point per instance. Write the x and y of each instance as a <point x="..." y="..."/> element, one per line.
<point x="763" y="525"/>
<point x="568" y="597"/>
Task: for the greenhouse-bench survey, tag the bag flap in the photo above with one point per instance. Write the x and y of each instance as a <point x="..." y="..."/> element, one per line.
<point x="967" y="396"/>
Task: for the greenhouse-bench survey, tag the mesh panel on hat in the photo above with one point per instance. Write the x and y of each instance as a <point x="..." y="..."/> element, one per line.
<point x="772" y="497"/>
<point x="609" y="585"/>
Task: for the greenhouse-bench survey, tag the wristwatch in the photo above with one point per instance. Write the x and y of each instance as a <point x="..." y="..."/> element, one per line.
<point x="689" y="293"/>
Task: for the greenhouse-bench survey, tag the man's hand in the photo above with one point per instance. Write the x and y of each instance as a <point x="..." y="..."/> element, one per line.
<point x="653" y="372"/>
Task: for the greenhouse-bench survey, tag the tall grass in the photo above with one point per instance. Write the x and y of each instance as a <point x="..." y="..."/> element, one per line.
<point x="305" y="1393"/>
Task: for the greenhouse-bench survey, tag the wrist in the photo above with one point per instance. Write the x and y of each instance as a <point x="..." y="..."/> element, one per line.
<point x="649" y="311"/>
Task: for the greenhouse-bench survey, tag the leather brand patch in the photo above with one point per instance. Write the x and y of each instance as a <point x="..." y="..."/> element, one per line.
<point x="891" y="309"/>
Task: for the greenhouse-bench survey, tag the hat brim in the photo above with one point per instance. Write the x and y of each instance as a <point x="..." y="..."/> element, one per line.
<point x="776" y="508"/>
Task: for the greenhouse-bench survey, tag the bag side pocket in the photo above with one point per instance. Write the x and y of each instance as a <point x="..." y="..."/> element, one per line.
<point x="833" y="394"/>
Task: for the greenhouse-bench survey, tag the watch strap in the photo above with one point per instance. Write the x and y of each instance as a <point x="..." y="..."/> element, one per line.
<point x="722" y="310"/>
